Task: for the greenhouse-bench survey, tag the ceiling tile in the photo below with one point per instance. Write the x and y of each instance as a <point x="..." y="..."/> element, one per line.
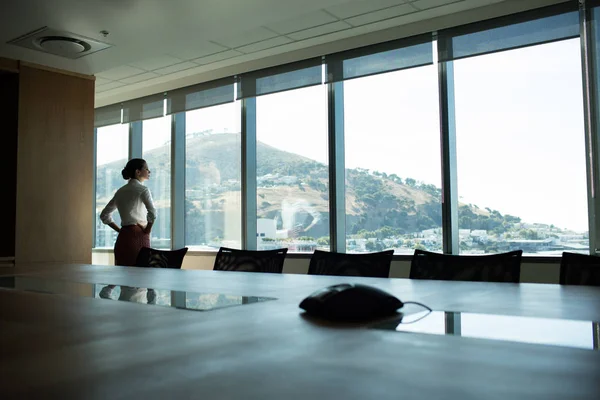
<point x="197" y="50"/>
<point x="176" y="68"/>
<point x="109" y="86"/>
<point x="217" y="57"/>
<point x="381" y="15"/>
<point x="425" y="4"/>
<point x="351" y="9"/>
<point x="124" y="71"/>
<point x="265" y="44"/>
<point x="102" y="81"/>
<point x="320" y="30"/>
<point x="140" y="78"/>
<point x="150" y="64"/>
<point x="249" y="37"/>
<point x="427" y="14"/>
<point x="302" y="22"/>
<point x="450" y="7"/>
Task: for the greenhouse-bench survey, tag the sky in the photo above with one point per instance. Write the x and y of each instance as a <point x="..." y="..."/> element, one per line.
<point x="519" y="129"/>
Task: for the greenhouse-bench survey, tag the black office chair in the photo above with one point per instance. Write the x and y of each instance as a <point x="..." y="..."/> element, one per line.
<point x="503" y="267"/>
<point x="374" y="265"/>
<point x="154" y="258"/>
<point x="250" y="260"/>
<point x="579" y="269"/>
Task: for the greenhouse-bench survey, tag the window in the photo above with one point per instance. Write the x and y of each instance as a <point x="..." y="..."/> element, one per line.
<point x="156" y="150"/>
<point x="292" y="170"/>
<point x="112" y="149"/>
<point x="393" y="167"/>
<point x="213" y="177"/>
<point x="521" y="151"/>
<point x="513" y="136"/>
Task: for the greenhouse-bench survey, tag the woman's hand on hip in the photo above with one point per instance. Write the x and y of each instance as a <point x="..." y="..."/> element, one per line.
<point x="146" y="229"/>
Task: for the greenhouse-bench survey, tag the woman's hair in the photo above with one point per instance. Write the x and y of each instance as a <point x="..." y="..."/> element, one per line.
<point x="133" y="165"/>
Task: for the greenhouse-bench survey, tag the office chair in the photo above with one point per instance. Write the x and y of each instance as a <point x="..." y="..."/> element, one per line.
<point x="374" y="265"/>
<point x="250" y="260"/>
<point x="579" y="269"/>
<point x="503" y="267"/>
<point x="154" y="258"/>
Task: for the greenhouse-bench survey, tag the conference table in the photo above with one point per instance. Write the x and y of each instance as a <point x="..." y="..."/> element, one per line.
<point x="59" y="339"/>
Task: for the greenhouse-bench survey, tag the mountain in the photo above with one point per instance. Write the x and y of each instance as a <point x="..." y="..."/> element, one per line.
<point x="377" y="204"/>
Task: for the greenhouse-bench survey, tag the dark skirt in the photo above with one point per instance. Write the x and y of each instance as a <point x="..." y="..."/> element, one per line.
<point x="129" y="243"/>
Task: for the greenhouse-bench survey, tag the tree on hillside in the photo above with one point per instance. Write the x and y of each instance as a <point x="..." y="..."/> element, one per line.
<point x="323" y="241"/>
<point x="374" y="246"/>
<point x="194" y="225"/>
<point x="395" y="178"/>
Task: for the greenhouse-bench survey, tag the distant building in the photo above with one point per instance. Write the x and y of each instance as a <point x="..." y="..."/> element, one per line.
<point x="529" y="245"/>
<point x="266" y="228"/>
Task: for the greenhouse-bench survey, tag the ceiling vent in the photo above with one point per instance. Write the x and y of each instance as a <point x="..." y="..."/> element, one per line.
<point x="60" y="43"/>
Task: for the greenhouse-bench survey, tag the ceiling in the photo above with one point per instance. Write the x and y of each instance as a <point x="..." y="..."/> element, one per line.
<point x="160" y="41"/>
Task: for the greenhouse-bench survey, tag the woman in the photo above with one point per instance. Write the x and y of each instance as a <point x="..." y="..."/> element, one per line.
<point x="135" y="206"/>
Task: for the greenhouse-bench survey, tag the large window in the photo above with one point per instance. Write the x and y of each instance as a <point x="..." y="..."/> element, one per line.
<point x="156" y="150"/>
<point x="292" y="170"/>
<point x="213" y="177"/>
<point x="521" y="151"/>
<point x="393" y="171"/>
<point x="112" y="149"/>
<point x="492" y="111"/>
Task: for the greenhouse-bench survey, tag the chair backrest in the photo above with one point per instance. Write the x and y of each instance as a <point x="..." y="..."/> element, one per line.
<point x="502" y="267"/>
<point x="154" y="258"/>
<point x="579" y="269"/>
<point x="374" y="265"/>
<point x="250" y="260"/>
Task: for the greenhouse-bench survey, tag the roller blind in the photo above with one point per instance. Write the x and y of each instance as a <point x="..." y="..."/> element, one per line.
<point x="281" y="78"/>
<point x="380" y="58"/>
<point x="109" y="115"/>
<point x="201" y="95"/>
<point x="530" y="28"/>
<point x="144" y="108"/>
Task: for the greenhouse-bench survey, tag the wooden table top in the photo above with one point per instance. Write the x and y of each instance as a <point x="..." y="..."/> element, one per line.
<point x="76" y="347"/>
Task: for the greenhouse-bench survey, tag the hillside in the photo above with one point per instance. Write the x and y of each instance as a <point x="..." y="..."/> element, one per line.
<point x="377" y="204"/>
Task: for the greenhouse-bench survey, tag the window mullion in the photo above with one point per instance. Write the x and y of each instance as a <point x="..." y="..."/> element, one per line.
<point x="337" y="174"/>
<point x="178" y="180"/>
<point x="448" y="146"/>
<point x="249" y="241"/>
<point x="589" y="71"/>
<point x="135" y="139"/>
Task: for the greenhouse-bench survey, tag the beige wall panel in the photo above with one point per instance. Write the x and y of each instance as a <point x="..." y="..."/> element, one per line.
<point x="54" y="167"/>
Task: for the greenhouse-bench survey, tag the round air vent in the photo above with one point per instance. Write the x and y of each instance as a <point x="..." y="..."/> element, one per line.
<point x="62" y="45"/>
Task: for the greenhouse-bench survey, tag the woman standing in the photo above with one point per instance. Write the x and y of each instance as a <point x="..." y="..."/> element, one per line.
<point x="135" y="206"/>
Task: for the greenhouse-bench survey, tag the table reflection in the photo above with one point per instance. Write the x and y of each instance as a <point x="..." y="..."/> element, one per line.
<point x="546" y="331"/>
<point x="185" y="300"/>
<point x="174" y="298"/>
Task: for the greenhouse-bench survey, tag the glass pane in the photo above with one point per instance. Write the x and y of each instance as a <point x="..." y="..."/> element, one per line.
<point x="156" y="150"/>
<point x="291" y="170"/>
<point x="112" y="149"/>
<point x="213" y="211"/>
<point x="521" y="151"/>
<point x="392" y="147"/>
